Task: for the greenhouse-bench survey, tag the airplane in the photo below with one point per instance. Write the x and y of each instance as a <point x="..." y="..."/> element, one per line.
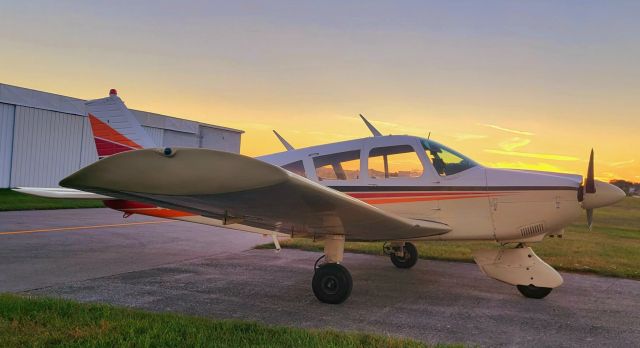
<point x="397" y="189"/>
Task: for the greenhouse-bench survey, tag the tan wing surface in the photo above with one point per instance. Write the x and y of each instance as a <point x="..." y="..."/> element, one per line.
<point x="242" y="190"/>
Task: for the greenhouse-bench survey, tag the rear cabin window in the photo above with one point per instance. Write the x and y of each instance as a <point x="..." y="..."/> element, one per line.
<point x="400" y="161"/>
<point x="338" y="166"/>
<point x="296" y="168"/>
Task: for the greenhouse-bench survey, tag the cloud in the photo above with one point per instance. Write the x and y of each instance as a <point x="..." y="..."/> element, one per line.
<point x="533" y="155"/>
<point x="467" y="136"/>
<point x="621" y="163"/>
<point x="514" y="143"/>
<point x="545" y="167"/>
<point x="330" y="135"/>
<point x="386" y="127"/>
<point x="254" y="126"/>
<point x="606" y="176"/>
<point x="507" y="129"/>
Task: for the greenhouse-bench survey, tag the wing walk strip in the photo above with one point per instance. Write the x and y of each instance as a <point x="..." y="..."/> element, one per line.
<point x="73" y="228"/>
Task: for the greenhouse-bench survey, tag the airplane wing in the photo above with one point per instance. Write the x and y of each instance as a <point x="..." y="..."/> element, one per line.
<point x="243" y="190"/>
<point x="57" y="192"/>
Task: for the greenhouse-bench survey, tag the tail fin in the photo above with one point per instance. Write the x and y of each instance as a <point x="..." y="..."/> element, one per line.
<point x="115" y="128"/>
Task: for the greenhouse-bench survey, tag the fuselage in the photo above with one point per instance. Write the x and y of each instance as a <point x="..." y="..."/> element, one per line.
<point x="424" y="180"/>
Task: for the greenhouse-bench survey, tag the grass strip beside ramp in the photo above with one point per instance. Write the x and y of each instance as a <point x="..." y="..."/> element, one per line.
<point x="36" y="322"/>
<point x="12" y="200"/>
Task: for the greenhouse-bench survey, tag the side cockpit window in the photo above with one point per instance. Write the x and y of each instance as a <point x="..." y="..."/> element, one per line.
<point x="399" y="161"/>
<point x="296" y="167"/>
<point x="445" y="160"/>
<point x="338" y="166"/>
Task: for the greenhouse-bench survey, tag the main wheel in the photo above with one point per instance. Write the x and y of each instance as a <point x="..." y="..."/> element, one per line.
<point x="332" y="283"/>
<point x="532" y="291"/>
<point x="409" y="258"/>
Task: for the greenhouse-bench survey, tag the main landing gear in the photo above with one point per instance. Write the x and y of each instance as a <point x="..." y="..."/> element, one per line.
<point x="332" y="282"/>
<point x="402" y="254"/>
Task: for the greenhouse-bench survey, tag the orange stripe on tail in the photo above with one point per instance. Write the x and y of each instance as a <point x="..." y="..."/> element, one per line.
<point x="108" y="140"/>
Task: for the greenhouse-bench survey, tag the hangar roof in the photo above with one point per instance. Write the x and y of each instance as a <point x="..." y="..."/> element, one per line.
<point x="48" y="101"/>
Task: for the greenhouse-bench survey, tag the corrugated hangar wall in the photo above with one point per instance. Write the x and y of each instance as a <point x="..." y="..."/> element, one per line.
<point x="46" y="146"/>
<point x="7" y="113"/>
<point x="38" y="147"/>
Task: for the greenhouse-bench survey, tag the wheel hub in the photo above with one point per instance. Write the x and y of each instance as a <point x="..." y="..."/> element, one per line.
<point x="330" y="285"/>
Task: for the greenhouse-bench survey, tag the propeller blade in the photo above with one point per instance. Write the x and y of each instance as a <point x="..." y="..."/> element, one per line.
<point x="590" y="184"/>
<point x="590" y="187"/>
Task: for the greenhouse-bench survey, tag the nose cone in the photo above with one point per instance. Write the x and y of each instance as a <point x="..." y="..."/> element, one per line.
<point x="606" y="194"/>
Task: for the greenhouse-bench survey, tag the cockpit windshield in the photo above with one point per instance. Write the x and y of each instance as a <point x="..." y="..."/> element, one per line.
<point x="446" y="161"/>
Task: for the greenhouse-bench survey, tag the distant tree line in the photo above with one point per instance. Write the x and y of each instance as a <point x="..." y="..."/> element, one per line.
<point x="630" y="188"/>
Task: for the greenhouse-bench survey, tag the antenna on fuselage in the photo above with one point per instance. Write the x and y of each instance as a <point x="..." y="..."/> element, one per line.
<point x="284" y="142"/>
<point x="373" y="129"/>
<point x="427" y="143"/>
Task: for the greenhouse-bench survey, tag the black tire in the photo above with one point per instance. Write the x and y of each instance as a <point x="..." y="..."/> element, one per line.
<point x="409" y="259"/>
<point x="332" y="283"/>
<point x="532" y="291"/>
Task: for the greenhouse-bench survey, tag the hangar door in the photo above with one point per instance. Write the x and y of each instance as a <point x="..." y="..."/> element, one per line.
<point x="7" y="113"/>
<point x="46" y="146"/>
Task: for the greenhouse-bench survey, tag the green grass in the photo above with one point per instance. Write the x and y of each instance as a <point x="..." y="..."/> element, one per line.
<point x="11" y="200"/>
<point x="40" y="322"/>
<point x="612" y="248"/>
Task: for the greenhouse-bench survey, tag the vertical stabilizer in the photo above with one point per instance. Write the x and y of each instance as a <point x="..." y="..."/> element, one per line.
<point x="115" y="129"/>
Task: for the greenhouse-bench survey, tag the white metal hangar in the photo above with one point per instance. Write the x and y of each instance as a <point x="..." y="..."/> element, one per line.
<point x="45" y="137"/>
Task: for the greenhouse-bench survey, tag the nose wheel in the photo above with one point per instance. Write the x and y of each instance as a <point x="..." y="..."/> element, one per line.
<point x="532" y="291"/>
<point x="404" y="256"/>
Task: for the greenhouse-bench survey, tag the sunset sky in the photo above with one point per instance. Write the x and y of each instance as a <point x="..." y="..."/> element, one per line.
<point x="516" y="84"/>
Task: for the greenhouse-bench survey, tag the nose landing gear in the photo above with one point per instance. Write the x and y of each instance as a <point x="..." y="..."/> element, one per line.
<point x="532" y="291"/>
<point x="519" y="266"/>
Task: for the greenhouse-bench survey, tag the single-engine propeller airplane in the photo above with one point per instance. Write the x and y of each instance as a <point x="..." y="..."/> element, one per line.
<point x="395" y="188"/>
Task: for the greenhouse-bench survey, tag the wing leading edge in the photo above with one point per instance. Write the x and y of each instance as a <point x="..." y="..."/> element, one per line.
<point x="56" y="192"/>
<point x="243" y="190"/>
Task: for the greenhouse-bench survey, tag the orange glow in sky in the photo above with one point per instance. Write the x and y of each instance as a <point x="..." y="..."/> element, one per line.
<point x="510" y="84"/>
